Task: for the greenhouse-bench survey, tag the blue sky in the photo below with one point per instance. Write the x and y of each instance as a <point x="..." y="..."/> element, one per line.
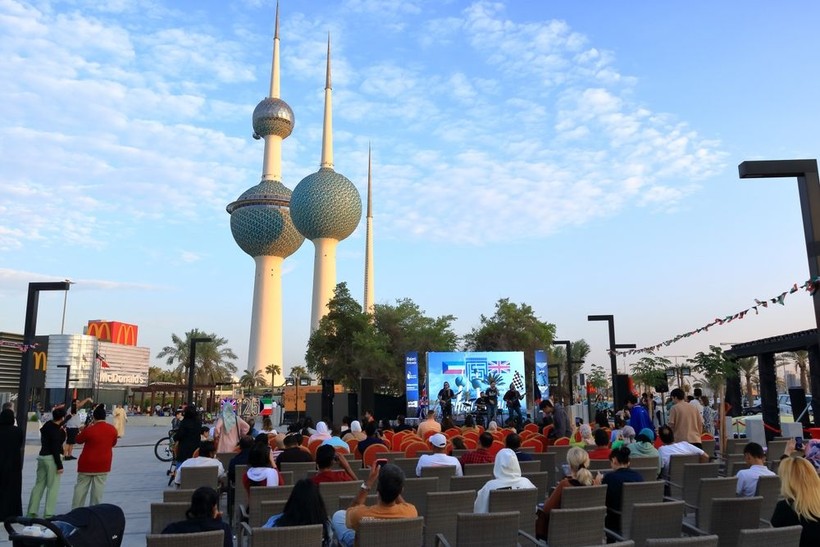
<point x="579" y="157"/>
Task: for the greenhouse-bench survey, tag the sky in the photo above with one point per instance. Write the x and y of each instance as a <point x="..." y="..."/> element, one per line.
<point x="579" y="157"/>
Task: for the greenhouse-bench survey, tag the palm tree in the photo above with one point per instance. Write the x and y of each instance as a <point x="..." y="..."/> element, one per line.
<point x="213" y="361"/>
<point x="251" y="379"/>
<point x="298" y="372"/>
<point x="801" y="359"/>
<point x="273" y="370"/>
<point x="748" y="367"/>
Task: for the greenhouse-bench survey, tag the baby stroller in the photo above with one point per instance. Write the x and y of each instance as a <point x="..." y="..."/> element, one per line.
<point x="96" y="526"/>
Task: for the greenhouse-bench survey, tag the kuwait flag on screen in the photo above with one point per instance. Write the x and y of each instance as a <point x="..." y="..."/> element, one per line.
<point x="267" y="406"/>
<point x="452" y="368"/>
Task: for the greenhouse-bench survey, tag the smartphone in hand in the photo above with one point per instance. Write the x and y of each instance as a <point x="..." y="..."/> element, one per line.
<point x="798" y="443"/>
<point x="380" y="462"/>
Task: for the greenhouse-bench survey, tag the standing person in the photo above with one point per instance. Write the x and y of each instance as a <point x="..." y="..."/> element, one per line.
<point x="229" y="428"/>
<point x="73" y="423"/>
<point x="99" y="438"/>
<point x="638" y="416"/>
<point x="49" y="465"/>
<point x="560" y="420"/>
<point x="119" y="420"/>
<point x="685" y="419"/>
<point x="513" y="400"/>
<point x="492" y="401"/>
<point x="188" y="434"/>
<point x="11" y="462"/>
<point x="445" y="400"/>
<point x="709" y="416"/>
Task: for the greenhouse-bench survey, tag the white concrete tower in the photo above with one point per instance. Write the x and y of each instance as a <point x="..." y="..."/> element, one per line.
<point x="326" y="208"/>
<point x="369" y="288"/>
<point x="262" y="227"/>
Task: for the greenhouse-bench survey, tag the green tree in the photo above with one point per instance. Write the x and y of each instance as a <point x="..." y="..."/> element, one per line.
<point x="512" y="327"/>
<point x="801" y="360"/>
<point x="650" y="371"/>
<point x="274" y="371"/>
<point x="347" y="347"/>
<point x="579" y="350"/>
<point x="159" y="374"/>
<point x="251" y="379"/>
<point x="599" y="378"/>
<point x="214" y="362"/>
<point x="747" y="366"/>
<point x="299" y="371"/>
<point x="716" y="367"/>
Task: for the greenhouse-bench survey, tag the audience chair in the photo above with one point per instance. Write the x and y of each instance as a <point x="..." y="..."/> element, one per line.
<point x="649" y="474"/>
<point x="560" y="459"/>
<point x="583" y="496"/>
<point x="634" y="493"/>
<point x="469" y="482"/>
<point x="415" y="492"/>
<point x="692" y="474"/>
<point x="522" y="500"/>
<point x="708" y="491"/>
<point x="372" y="453"/>
<point x="163" y="514"/>
<point x="775" y="449"/>
<point x="177" y="496"/>
<point x="708" y="446"/>
<point x="540" y="480"/>
<point x="392" y="532"/>
<point x="408" y="465"/>
<point x="272" y="507"/>
<point x="732" y="467"/>
<point x="444" y="474"/>
<point x="547" y="460"/>
<point x="482" y="530"/>
<point x="442" y="511"/>
<point x="478" y="468"/>
<point x="299" y="468"/>
<point x="769" y="489"/>
<point x="788" y="536"/>
<point x="412" y="449"/>
<point x="573" y="528"/>
<point x="644" y="461"/>
<point x="346" y="501"/>
<point x="192" y="478"/>
<point x="292" y="536"/>
<point x="702" y="541"/>
<point x="252" y="513"/>
<point x="330" y="491"/>
<point x="200" y="539"/>
<point x="728" y="516"/>
<point x="675" y="478"/>
<point x="651" y="520"/>
<point x="735" y="446"/>
<point x="530" y="467"/>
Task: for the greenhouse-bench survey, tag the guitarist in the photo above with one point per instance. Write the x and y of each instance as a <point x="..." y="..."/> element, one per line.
<point x="445" y="400"/>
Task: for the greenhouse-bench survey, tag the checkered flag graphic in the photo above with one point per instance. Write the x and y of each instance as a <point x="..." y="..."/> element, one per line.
<point x="518" y="382"/>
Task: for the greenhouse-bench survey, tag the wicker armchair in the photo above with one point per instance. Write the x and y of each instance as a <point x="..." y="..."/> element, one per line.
<point x="665" y="522"/>
<point x="581" y="497"/>
<point x="392" y="532"/>
<point x="768" y="488"/>
<point x="200" y="539"/>
<point x="702" y="541"/>
<point x="331" y="491"/>
<point x="522" y="500"/>
<point x="444" y="474"/>
<point x="728" y="517"/>
<point x="675" y="472"/>
<point x="163" y="514"/>
<point x="634" y="492"/>
<point x="192" y="478"/>
<point x="708" y="491"/>
<point x="415" y="492"/>
<point x="482" y="530"/>
<point x="468" y="482"/>
<point x="292" y="536"/>
<point x="788" y="536"/>
<point x="479" y="469"/>
<point x="573" y="528"/>
<point x="442" y="511"/>
<point x="177" y="496"/>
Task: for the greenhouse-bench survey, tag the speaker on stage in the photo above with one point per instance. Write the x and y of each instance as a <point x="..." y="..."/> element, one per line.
<point x="327" y="399"/>
<point x="366" y="398"/>
<point x="620" y="390"/>
<point x="798" y="401"/>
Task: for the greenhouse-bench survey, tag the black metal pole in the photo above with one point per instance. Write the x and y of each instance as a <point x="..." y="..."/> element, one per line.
<point x="613" y="357"/>
<point x="192" y="365"/>
<point x="568" y="345"/>
<point x="67" y="380"/>
<point x="29" y="331"/>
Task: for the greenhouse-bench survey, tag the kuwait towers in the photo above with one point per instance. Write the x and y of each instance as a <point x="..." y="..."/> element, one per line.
<point x="369" y="278"/>
<point x="262" y="227"/>
<point x="325" y="208"/>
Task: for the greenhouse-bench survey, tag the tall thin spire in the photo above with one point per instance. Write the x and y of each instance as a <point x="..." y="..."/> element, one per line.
<point x="327" y="132"/>
<point x="274" y="73"/>
<point x="369" y="289"/>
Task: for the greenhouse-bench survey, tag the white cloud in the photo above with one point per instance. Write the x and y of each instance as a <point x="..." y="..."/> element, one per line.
<point x="19" y="279"/>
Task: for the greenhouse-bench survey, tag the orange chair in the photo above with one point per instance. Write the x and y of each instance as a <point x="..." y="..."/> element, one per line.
<point x="495" y="447"/>
<point x="388" y="435"/>
<point x="563" y="441"/>
<point x="371" y="454"/>
<point x="340" y="450"/>
<point x="452" y="432"/>
<point x="411" y="450"/>
<point x="535" y="443"/>
<point x="707" y="437"/>
<point x="471" y="435"/>
<point x="505" y="432"/>
<point x="531" y="427"/>
<point x="400" y="436"/>
<point x="526" y="434"/>
<point x="428" y="434"/>
<point x="352" y="444"/>
<point x="313" y="446"/>
<point x="407" y="441"/>
<point x="305" y="440"/>
<point x="470" y="443"/>
<point x="480" y="429"/>
<point x="547" y="430"/>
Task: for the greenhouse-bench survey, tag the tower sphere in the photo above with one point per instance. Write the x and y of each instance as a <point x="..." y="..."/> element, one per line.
<point x="272" y="117"/>
<point x="325" y="204"/>
<point x="260" y="221"/>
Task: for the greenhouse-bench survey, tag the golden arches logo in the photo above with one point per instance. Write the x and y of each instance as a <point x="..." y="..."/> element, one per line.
<point x="40" y="359"/>
<point x="126" y="335"/>
<point x="101" y="330"/>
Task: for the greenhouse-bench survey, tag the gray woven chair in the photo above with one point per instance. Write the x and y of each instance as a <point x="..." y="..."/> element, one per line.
<point x="708" y="446"/>
<point x="177" y="496"/>
<point x="727" y="517"/>
<point x="391" y="456"/>
<point x="482" y="530"/>
<point x="576" y="527"/>
<point x="458" y="452"/>
<point x="479" y="469"/>
<point x="292" y="536"/>
<point x="775" y="449"/>
<point x="240" y="495"/>
<point x="652" y="520"/>
<point x="649" y="474"/>
<point x="364" y="473"/>
<point x="769" y="489"/>
<point x="408" y="465"/>
<point x="330" y="491"/>
<point x="560" y="459"/>
<point x="287" y="477"/>
<point x="272" y="507"/>
<point x="599" y="465"/>
<point x="522" y="500"/>
<point x="788" y="536"/>
<point x="708" y="491"/>
<point x="733" y="467"/>
<point x="632" y="493"/>
<point x="674" y="476"/>
<point x="200" y="539"/>
<point x="702" y="541"/>
<point x="547" y="460"/>
<point x="299" y="468"/>
<point x="469" y="482"/>
<point x="444" y="473"/>
<point x="163" y="514"/>
<point x="692" y="473"/>
<point x="192" y="478"/>
<point x="735" y="446"/>
<point x="392" y="532"/>
<point x="415" y="492"/>
<point x="581" y="497"/>
<point x="442" y="511"/>
<point x="225" y="458"/>
<point x="345" y="501"/>
<point x="540" y="480"/>
<point x="530" y="467"/>
<point x="253" y="512"/>
<point x="645" y="461"/>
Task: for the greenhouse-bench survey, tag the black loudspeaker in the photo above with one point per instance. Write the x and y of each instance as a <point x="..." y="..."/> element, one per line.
<point x="327" y="400"/>
<point x="662" y="387"/>
<point x="366" y="399"/>
<point x="620" y="390"/>
<point x="798" y="400"/>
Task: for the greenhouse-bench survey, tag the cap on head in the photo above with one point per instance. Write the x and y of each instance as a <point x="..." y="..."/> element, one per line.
<point x="438" y="440"/>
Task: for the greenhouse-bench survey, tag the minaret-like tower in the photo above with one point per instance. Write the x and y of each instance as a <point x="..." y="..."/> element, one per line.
<point x="261" y="224"/>
<point x="326" y="208"/>
<point x="369" y="289"/>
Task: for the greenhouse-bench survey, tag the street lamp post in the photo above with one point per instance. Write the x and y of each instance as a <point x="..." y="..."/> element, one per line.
<point x="29" y="331"/>
<point x="192" y="365"/>
<point x="68" y="379"/>
<point x="613" y="359"/>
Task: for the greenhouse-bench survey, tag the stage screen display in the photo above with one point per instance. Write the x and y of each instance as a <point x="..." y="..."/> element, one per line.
<point x="469" y="373"/>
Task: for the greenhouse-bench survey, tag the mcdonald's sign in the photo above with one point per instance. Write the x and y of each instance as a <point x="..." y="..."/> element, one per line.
<point x="40" y="361"/>
<point x="114" y="332"/>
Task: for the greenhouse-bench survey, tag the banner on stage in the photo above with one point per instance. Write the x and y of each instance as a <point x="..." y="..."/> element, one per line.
<point x="411" y="365"/>
<point x="541" y="374"/>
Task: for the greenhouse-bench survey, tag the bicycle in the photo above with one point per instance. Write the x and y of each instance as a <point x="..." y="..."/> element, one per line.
<point x="164" y="449"/>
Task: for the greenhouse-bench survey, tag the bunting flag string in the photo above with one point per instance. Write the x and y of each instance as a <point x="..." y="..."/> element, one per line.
<point x="811" y="286"/>
<point x="22" y="347"/>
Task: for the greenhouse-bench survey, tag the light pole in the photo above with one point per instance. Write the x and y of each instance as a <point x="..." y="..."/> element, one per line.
<point x="68" y="379"/>
<point x="29" y="330"/>
<point x="613" y="359"/>
<point x="192" y="364"/>
<point x="65" y="302"/>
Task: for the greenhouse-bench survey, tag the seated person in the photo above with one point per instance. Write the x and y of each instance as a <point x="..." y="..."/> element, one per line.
<point x="747" y="478"/>
<point x="582" y="437"/>
<point x="304" y="507"/>
<point x="335" y="440"/>
<point x="206" y="458"/>
<point x="400" y="425"/>
<point x="372" y="438"/>
<point x="579" y="475"/>
<point x="260" y="470"/>
<point x="513" y="442"/>
<point x="621" y="473"/>
<point x="293" y="452"/>
<point x="325" y="457"/>
<point x="390" y="504"/>
<point x="202" y="516"/>
<point x="670" y="448"/>
<point x="507" y="473"/>
<point x="481" y="454"/>
<point x="438" y="458"/>
<point x="644" y="445"/>
<point x="601" y="451"/>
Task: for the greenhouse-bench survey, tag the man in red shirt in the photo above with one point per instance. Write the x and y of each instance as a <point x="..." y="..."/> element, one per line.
<point x="601" y="451"/>
<point x="94" y="464"/>
<point x="325" y="456"/>
<point x="482" y="453"/>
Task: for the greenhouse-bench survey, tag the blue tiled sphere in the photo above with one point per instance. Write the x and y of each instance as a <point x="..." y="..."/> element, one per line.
<point x="261" y="223"/>
<point x="273" y="117"/>
<point x="325" y="204"/>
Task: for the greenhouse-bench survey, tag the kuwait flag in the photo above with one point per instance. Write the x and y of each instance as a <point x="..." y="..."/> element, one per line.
<point x="452" y="368"/>
<point x="267" y="406"/>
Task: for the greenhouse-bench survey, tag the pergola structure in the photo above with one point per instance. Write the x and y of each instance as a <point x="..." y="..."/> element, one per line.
<point x="765" y="350"/>
<point x="178" y="391"/>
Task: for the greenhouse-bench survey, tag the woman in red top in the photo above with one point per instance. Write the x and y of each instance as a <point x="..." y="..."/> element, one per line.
<point x="94" y="464"/>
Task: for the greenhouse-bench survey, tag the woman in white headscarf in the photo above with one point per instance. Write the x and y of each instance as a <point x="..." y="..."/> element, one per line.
<point x="507" y="474"/>
<point x="228" y="429"/>
<point x="322" y="432"/>
<point x="355" y="432"/>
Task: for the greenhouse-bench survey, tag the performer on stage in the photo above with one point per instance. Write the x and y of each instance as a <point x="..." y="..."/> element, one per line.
<point x="492" y="401"/>
<point x="481" y="410"/>
<point x="445" y="399"/>
<point x="513" y="400"/>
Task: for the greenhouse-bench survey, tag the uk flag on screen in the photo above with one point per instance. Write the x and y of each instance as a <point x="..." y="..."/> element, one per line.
<point x="452" y="368"/>
<point x="499" y="366"/>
